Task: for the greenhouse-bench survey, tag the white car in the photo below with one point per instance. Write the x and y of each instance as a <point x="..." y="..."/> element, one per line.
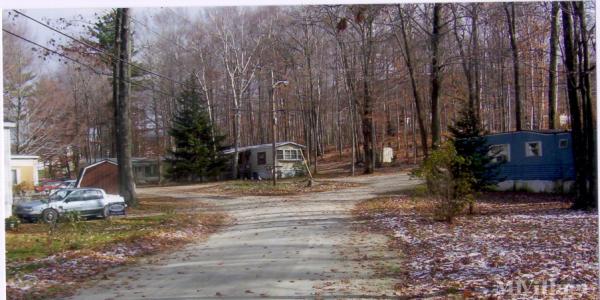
<point x="89" y="202"/>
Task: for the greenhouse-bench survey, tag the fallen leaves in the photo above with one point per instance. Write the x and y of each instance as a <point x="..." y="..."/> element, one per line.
<point x="511" y="242"/>
<point x="266" y="188"/>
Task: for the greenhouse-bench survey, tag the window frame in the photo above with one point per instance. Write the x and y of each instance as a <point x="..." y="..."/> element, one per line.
<point x="76" y="196"/>
<point x="289" y="155"/>
<point x="527" y="148"/>
<point x="494" y="158"/>
<point x="261" y="158"/>
<point x="90" y="195"/>
<point x="560" y="141"/>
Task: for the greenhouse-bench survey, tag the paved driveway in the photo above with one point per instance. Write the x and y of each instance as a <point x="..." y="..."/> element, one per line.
<point x="292" y="247"/>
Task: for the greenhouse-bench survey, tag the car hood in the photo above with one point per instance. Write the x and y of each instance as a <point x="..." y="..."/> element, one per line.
<point x="114" y="198"/>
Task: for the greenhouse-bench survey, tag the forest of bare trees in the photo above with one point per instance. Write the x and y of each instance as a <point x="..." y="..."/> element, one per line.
<point x="360" y="77"/>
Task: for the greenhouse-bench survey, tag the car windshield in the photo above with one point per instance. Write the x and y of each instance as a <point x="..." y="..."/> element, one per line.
<point x="59" y="195"/>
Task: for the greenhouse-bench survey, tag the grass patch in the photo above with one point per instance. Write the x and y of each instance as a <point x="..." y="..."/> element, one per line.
<point x="266" y="188"/>
<point x="33" y="241"/>
<point x="157" y="224"/>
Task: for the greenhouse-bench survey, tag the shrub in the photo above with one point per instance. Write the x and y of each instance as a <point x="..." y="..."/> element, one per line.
<point x="12" y="223"/>
<point x="468" y="137"/>
<point x="22" y="188"/>
<point x="449" y="183"/>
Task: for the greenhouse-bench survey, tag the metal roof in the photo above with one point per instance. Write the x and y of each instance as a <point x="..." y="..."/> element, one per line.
<point x="240" y="149"/>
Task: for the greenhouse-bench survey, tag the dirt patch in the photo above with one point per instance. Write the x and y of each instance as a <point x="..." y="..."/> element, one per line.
<point x="266" y="188"/>
<point x="45" y="264"/>
<point x="528" y="245"/>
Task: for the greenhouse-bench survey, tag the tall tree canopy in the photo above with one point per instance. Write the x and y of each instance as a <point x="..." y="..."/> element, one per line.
<point x="196" y="155"/>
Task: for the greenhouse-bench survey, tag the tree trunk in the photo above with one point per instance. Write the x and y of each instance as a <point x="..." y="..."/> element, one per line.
<point x="552" y="83"/>
<point x="579" y="154"/>
<point x="510" y="18"/>
<point x="589" y="130"/>
<point x="413" y="83"/>
<point x="368" y="129"/>
<point x="122" y="124"/>
<point x="435" y="76"/>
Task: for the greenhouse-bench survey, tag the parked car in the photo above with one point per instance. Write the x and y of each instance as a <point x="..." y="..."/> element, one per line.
<point x="68" y="184"/>
<point x="47" y="186"/>
<point x="89" y="202"/>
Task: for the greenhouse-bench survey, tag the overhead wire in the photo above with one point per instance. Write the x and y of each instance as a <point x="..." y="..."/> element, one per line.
<point x="103" y="51"/>
<point x="91" y="68"/>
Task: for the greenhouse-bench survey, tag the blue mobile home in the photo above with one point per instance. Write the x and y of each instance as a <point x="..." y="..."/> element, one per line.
<point x="540" y="161"/>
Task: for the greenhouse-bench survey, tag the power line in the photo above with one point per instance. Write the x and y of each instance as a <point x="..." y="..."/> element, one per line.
<point x="82" y="63"/>
<point x="160" y="35"/>
<point x="103" y="51"/>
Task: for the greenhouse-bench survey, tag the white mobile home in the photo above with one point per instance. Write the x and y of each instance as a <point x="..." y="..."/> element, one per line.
<point x="256" y="162"/>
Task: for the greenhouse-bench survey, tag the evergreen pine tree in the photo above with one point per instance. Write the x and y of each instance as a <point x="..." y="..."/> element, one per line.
<point x="470" y="143"/>
<point x="197" y="153"/>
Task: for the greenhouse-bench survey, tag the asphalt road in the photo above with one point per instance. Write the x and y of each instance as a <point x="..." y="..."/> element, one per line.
<point x="292" y="247"/>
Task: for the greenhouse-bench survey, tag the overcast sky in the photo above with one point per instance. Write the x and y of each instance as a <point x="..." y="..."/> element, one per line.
<point x="79" y="17"/>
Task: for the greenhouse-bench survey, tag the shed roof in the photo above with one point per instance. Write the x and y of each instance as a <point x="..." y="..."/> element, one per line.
<point x="279" y="144"/>
<point x="114" y="160"/>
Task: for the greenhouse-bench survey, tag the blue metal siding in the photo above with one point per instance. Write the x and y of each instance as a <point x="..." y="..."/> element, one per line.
<point x="555" y="163"/>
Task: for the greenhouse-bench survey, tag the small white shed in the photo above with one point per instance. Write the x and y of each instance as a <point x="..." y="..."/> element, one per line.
<point x="387" y="155"/>
<point x="256" y="161"/>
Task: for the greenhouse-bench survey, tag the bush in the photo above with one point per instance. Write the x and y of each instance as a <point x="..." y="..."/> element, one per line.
<point x="22" y="188"/>
<point x="468" y="137"/>
<point x="12" y="223"/>
<point x="449" y="183"/>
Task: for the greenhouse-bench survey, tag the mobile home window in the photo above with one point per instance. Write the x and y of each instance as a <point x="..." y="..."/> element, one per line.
<point x="289" y="154"/>
<point x="499" y="153"/>
<point x="563" y="143"/>
<point x="533" y="149"/>
<point x="261" y="158"/>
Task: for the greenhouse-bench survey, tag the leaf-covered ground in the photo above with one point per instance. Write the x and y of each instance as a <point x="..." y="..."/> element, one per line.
<point x="266" y="188"/>
<point x="43" y="263"/>
<point x="516" y="245"/>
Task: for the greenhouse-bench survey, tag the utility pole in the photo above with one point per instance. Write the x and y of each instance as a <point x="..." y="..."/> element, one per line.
<point x="122" y="108"/>
<point x="274" y="123"/>
<point x="274" y="130"/>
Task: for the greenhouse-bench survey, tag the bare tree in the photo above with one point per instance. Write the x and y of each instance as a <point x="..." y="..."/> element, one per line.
<point x="238" y="51"/>
<point x="552" y="68"/>
<point x="509" y="9"/>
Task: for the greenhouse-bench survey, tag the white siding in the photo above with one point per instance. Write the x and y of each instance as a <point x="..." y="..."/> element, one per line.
<point x="286" y="168"/>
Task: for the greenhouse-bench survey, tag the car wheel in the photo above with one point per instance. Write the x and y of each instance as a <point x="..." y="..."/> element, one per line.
<point x="106" y="212"/>
<point x="50" y="215"/>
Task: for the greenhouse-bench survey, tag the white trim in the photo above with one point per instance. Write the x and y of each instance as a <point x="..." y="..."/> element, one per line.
<point x="18" y="156"/>
<point x="527" y="148"/>
<point x="277" y="145"/>
<point x="92" y="165"/>
<point x="507" y="151"/>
